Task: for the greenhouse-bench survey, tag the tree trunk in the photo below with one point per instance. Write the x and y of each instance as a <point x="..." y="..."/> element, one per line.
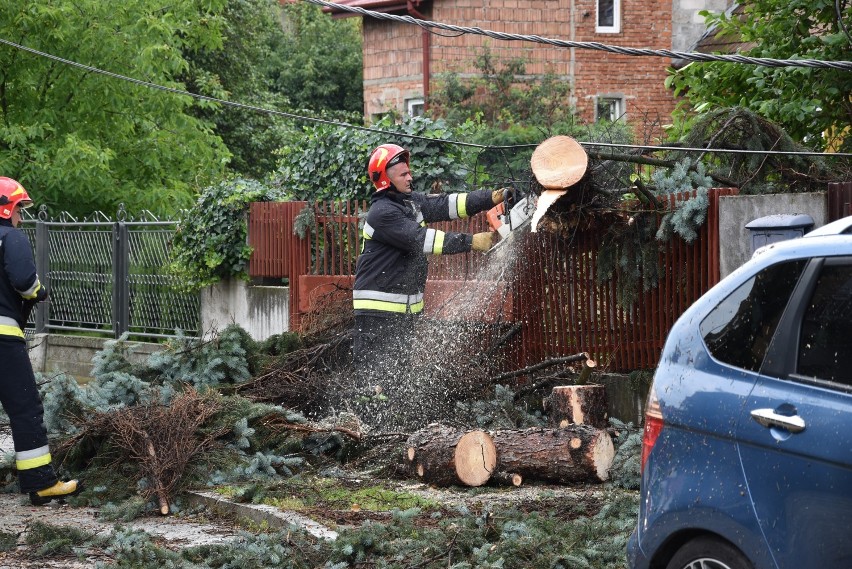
<point x="444" y="456"/>
<point x="578" y="405"/>
<point x="577" y="453"/>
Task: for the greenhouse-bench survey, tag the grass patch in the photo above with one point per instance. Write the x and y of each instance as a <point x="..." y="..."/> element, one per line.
<point x="302" y="494"/>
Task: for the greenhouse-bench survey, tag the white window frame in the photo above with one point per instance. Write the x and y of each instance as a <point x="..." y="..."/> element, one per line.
<point x="411" y="106"/>
<point x="615" y="28"/>
<point x="620" y="110"/>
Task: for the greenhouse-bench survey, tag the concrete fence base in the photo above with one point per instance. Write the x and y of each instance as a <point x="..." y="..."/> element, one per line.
<point x="261" y="310"/>
<point x="54" y="353"/>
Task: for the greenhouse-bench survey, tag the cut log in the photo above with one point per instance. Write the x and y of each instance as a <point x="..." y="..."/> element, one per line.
<point x="507" y="478"/>
<point x="586" y="372"/>
<point x="445" y="456"/>
<point x="578" y="404"/>
<point x="577" y="453"/>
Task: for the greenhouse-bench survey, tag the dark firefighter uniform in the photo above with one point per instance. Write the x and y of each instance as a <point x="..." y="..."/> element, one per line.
<point x="390" y="274"/>
<point x="18" y="391"/>
<point x="20" y="286"/>
<point x="390" y="277"/>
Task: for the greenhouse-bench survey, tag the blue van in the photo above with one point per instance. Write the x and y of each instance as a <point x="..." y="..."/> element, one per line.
<point x="747" y="448"/>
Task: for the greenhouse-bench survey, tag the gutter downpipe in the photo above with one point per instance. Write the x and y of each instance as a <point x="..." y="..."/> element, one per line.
<point x="427" y="50"/>
<point x="572" y="59"/>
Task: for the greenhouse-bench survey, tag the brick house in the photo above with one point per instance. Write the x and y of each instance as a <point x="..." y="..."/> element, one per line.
<point x="401" y="60"/>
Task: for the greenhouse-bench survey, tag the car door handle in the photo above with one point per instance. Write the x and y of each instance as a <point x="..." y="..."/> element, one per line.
<point x="769" y="418"/>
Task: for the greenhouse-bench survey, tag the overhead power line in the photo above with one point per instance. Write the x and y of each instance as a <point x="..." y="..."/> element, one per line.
<point x="344" y="125"/>
<point x="687" y="56"/>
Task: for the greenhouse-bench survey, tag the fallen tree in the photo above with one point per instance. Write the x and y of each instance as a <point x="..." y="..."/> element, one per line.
<point x="444" y="456"/>
<point x="567" y="455"/>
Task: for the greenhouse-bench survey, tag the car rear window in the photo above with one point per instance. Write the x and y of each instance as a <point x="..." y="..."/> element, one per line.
<point x="739" y="329"/>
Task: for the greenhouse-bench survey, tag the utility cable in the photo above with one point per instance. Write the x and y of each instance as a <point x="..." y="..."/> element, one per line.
<point x="687" y="56"/>
<point x="344" y="125"/>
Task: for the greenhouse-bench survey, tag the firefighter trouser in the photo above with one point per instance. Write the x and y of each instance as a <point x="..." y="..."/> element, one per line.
<point x="382" y="354"/>
<point x="20" y="399"/>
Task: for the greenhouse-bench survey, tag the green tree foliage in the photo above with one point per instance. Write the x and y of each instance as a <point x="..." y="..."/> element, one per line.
<point x="328" y="162"/>
<point x="210" y="242"/>
<point x="317" y="63"/>
<point x="292" y="58"/>
<point x="756" y="173"/>
<point x="806" y="102"/>
<point x="251" y="450"/>
<point x="241" y="71"/>
<point x="81" y="141"/>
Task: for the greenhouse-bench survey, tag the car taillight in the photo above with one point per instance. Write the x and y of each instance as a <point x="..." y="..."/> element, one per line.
<point x="653" y="425"/>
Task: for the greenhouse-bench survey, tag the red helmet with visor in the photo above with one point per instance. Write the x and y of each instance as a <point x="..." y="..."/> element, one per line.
<point x="381" y="159"/>
<point x="12" y="193"/>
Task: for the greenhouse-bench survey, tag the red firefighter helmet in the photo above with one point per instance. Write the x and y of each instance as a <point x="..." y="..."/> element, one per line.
<point x="383" y="158"/>
<point x="12" y="193"/>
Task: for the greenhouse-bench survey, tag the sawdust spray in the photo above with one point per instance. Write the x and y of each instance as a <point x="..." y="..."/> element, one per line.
<point x="453" y="353"/>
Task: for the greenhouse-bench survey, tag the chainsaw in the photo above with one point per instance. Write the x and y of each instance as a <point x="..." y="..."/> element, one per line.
<point x="513" y="213"/>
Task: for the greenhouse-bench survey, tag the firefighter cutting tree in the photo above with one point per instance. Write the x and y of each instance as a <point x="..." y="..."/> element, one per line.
<point x="19" y="289"/>
<point x="390" y="274"/>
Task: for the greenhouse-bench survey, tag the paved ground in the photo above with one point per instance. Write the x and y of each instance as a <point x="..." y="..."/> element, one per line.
<point x="216" y="523"/>
<point x="17" y="515"/>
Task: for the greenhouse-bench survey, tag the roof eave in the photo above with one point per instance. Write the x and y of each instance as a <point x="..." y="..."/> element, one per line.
<point x="386" y="6"/>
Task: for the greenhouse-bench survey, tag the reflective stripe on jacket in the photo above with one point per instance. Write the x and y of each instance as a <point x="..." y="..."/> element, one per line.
<point x="390" y="274"/>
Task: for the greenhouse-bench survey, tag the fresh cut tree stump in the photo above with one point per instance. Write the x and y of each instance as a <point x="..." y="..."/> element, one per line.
<point x="576" y="453"/>
<point x="445" y="456"/>
<point x="578" y="405"/>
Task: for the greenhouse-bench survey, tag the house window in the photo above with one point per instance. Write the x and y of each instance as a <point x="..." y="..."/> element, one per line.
<point x="414" y="107"/>
<point x="608" y="108"/>
<point x="609" y="17"/>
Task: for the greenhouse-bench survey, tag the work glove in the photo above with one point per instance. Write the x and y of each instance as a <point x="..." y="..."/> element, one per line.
<point x="41" y="294"/>
<point x="504" y="195"/>
<point x="482" y="241"/>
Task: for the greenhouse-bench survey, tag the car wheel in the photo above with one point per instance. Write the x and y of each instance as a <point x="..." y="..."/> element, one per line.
<point x="708" y="553"/>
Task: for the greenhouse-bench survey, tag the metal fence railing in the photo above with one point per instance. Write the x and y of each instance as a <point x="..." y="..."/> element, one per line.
<point x="109" y="277"/>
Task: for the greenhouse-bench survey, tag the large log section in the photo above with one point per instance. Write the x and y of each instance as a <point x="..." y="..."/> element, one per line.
<point x="576" y="453"/>
<point x="444" y="456"/>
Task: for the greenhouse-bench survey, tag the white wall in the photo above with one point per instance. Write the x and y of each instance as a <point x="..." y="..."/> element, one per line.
<point x="687" y="22"/>
<point x="261" y="310"/>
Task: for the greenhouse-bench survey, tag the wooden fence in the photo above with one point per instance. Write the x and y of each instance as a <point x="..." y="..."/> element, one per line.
<point x="839" y="200"/>
<point x="547" y="284"/>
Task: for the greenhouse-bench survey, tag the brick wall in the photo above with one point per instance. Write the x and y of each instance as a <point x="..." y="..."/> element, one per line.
<point x="393" y="53"/>
<point x="393" y="65"/>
